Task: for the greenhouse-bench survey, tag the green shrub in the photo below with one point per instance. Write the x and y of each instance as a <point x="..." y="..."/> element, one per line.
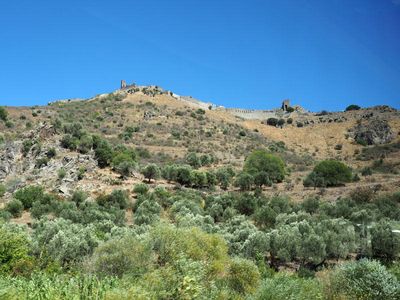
<point x="14" y="247"/>
<point x="2" y="190"/>
<point x="151" y="171"/>
<point x="69" y="142"/>
<point x="15" y="208"/>
<point x="63" y="241"/>
<point x="61" y="173"/>
<point x="9" y="124"/>
<point x="329" y="173"/>
<point x="385" y="243"/>
<point x="51" y="153"/>
<point x="285" y="286"/>
<point x="85" y="144"/>
<point x="103" y="152"/>
<point x="243" y="276"/>
<point x="352" y="107"/>
<point x="117" y="198"/>
<point x="364" y="279"/>
<point x="244" y="181"/>
<point x="41" y="162"/>
<point x="26" y="147"/>
<point x="272" y="122"/>
<point x="3" y="114"/>
<point x="141" y="188"/>
<point x="117" y="257"/>
<point x="290" y="109"/>
<point x="262" y="161"/>
<point x="28" y="195"/>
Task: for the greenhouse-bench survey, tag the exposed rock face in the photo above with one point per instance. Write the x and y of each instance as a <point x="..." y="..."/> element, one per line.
<point x="373" y="132"/>
<point x="7" y="159"/>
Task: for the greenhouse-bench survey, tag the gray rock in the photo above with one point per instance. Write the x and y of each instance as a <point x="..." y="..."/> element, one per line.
<point x="373" y="132"/>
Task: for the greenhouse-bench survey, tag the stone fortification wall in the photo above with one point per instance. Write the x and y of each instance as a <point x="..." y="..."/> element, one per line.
<point x="250" y="113"/>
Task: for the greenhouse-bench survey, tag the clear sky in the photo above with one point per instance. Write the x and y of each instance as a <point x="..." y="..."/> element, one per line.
<point x="322" y="54"/>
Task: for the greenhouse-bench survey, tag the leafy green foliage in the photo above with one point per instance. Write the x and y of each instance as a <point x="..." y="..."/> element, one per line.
<point x="384" y="242"/>
<point x="151" y="171"/>
<point x="28" y="195"/>
<point x="329" y="173"/>
<point x="364" y="279"/>
<point x="3" y="114"/>
<point x="15" y="208"/>
<point x="63" y="241"/>
<point x="352" y="107"/>
<point x="14" y="248"/>
<point x="261" y="161"/>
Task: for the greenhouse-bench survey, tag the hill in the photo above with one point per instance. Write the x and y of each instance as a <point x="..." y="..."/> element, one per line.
<point x="145" y="194"/>
<point x="164" y="127"/>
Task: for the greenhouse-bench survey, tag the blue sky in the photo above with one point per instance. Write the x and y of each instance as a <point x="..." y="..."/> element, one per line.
<point x="250" y="53"/>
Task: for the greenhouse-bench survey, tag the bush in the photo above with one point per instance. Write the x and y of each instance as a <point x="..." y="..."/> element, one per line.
<point x="26" y="147"/>
<point x="272" y="122"/>
<point x="117" y="198"/>
<point x="261" y="161"/>
<point x="151" y="171"/>
<point x="2" y="190"/>
<point x="385" y="243"/>
<point x="125" y="168"/>
<point x="244" y="181"/>
<point x="28" y="195"/>
<point x="289" y="121"/>
<point x="51" y="153"/>
<point x="103" y="152"/>
<point x="353" y="107"/>
<point x="243" y="276"/>
<point x="15" y="208"/>
<point x="285" y="286"/>
<point x="3" y="114"/>
<point x="14" y="248"/>
<point x="281" y="122"/>
<point x="328" y="173"/>
<point x="141" y="188"/>
<point x="69" y="142"/>
<point x="117" y="257"/>
<point x="364" y="279"/>
<point x="61" y="173"/>
<point x="41" y="162"/>
<point x="290" y="109"/>
<point x="63" y="241"/>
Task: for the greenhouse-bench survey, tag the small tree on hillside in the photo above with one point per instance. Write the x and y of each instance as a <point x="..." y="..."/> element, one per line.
<point x="328" y="173"/>
<point x="353" y="107"/>
<point x="262" y="161"/>
<point x="151" y="171"/>
<point x="3" y="114"/>
<point x="244" y="181"/>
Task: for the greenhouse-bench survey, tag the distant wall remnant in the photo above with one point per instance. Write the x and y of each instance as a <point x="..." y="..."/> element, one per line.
<point x="123" y="84"/>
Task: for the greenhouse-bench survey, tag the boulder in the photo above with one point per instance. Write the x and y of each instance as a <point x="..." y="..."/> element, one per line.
<point x="373" y="132"/>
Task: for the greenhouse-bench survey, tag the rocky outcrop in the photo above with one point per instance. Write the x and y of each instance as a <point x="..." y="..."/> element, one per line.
<point x="372" y="132"/>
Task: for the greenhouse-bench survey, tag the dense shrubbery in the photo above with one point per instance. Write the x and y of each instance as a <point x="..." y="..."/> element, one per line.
<point x="329" y="173"/>
<point x="353" y="107"/>
<point x="3" y="114"/>
<point x="271" y="167"/>
<point x="193" y="240"/>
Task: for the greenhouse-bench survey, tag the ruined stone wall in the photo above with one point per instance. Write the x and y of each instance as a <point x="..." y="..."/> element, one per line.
<point x="250" y="113"/>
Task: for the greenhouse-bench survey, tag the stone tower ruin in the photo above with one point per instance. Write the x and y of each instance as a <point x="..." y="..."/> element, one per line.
<point x="285" y="104"/>
<point x="123" y="84"/>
